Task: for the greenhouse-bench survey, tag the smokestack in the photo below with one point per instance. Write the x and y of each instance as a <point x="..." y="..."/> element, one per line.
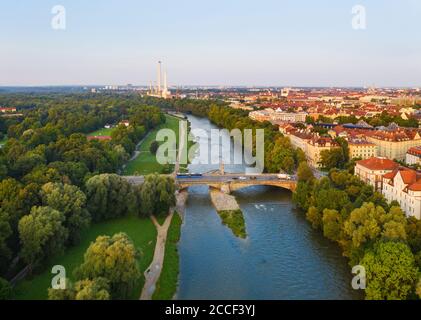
<point x="165" y="81"/>
<point x="159" y="76"/>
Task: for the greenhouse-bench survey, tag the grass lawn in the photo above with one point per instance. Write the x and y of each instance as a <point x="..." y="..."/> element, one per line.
<point x="167" y="282"/>
<point x="234" y="220"/>
<point x="146" y="163"/>
<point x="141" y="231"/>
<point x="102" y="132"/>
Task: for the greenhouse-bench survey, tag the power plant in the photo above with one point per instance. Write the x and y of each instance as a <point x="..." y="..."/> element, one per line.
<point x="160" y="90"/>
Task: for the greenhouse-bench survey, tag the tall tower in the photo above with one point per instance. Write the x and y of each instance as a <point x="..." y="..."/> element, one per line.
<point x="165" y="82"/>
<point x="159" y="76"/>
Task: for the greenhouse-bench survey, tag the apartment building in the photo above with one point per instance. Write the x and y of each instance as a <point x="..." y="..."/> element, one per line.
<point x="404" y="186"/>
<point x="413" y="156"/>
<point x="311" y="144"/>
<point x="371" y="170"/>
<point x="314" y="148"/>
<point x="394" y="144"/>
<point x="361" y="149"/>
<point x="277" y="115"/>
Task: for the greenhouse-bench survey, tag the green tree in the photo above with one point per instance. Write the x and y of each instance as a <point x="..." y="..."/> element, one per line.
<point x="71" y="201"/>
<point x="300" y="156"/>
<point x="156" y="195"/>
<point x="153" y="148"/>
<point x="369" y="223"/>
<point x="304" y="172"/>
<point x="390" y="271"/>
<point x="62" y="294"/>
<point x="418" y="289"/>
<point x="413" y="230"/>
<point x="315" y="217"/>
<point x="302" y="196"/>
<point x="95" y="289"/>
<point x="115" y="259"/>
<point x="5" y="289"/>
<point x="42" y="234"/>
<point x="331" y="198"/>
<point x="109" y="196"/>
<point x="333" y="158"/>
<point x="332" y="224"/>
<point x="5" y="233"/>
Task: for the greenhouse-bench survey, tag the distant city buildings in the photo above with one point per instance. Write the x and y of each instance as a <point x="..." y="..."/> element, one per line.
<point x="7" y="110"/>
<point x="277" y="115"/>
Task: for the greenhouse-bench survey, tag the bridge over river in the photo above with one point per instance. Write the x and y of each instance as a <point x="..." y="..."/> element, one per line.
<point x="227" y="182"/>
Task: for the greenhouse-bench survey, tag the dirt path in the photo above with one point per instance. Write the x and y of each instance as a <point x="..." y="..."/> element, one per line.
<point x="153" y="272"/>
<point x="181" y="199"/>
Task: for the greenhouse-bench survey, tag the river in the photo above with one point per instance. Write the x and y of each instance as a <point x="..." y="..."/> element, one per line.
<point x="282" y="257"/>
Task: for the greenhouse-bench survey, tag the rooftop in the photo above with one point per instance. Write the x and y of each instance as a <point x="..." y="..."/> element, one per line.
<point x="376" y="163"/>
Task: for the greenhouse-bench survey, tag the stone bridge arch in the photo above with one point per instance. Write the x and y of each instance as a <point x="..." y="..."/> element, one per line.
<point x="231" y="186"/>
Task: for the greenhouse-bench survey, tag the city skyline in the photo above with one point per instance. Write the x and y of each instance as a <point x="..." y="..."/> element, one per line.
<point x="220" y="44"/>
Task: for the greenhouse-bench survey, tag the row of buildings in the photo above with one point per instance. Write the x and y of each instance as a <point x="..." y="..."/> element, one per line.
<point x="277" y="115"/>
<point x="395" y="182"/>
<point x="312" y="144"/>
<point x="391" y="143"/>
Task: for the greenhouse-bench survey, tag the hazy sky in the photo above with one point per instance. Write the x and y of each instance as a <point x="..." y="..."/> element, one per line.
<point x="218" y="42"/>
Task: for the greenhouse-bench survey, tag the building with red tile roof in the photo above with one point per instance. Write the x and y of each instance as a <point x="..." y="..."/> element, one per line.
<point x="413" y="156"/>
<point x="404" y="186"/>
<point x="100" y="138"/>
<point x="371" y="170"/>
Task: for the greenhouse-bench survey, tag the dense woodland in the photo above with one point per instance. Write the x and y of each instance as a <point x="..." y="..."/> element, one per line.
<point x="54" y="182"/>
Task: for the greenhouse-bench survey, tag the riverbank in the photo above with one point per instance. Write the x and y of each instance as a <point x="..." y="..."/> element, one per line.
<point x="181" y="199"/>
<point x="166" y="286"/>
<point x="153" y="272"/>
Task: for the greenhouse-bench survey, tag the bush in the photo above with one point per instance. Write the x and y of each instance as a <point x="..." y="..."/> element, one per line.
<point x="5" y="289"/>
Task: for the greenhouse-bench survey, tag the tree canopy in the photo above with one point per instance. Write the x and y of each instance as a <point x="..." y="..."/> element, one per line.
<point x="115" y="259"/>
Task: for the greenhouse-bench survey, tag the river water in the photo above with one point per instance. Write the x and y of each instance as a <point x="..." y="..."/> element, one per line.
<point x="282" y="257"/>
